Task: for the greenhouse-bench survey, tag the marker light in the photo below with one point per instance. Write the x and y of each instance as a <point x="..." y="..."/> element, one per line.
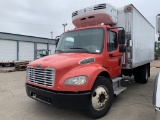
<point x="129" y="8"/>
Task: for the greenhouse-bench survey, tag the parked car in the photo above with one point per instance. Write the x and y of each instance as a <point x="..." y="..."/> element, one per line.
<point x="156" y="96"/>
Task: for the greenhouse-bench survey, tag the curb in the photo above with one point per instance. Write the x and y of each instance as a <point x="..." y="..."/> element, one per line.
<point x="6" y="71"/>
<point x="155" y="67"/>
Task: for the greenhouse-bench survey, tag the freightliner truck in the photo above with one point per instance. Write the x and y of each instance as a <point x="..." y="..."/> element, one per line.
<point x="86" y="70"/>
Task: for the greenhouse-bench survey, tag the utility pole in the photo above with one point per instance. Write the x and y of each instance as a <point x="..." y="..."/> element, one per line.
<point x="64" y="25"/>
<point x="51" y="34"/>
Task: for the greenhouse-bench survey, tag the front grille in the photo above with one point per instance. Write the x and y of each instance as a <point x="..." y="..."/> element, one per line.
<point x="44" y="77"/>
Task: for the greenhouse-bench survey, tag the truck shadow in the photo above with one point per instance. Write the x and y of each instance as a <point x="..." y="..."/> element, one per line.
<point x="58" y="113"/>
<point x="135" y="93"/>
<point x="128" y="82"/>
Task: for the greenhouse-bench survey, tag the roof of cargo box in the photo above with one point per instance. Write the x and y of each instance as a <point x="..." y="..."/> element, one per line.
<point x="139" y="12"/>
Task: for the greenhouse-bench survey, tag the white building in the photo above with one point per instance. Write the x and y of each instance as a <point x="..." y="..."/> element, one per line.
<point x="22" y="47"/>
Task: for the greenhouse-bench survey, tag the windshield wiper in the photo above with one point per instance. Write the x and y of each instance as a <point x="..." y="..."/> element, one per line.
<point x="81" y="48"/>
<point x="58" y="51"/>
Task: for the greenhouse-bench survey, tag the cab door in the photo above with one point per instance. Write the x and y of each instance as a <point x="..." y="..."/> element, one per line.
<point x="114" y="61"/>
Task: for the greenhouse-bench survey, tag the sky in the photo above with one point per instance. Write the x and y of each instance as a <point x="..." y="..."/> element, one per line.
<point x="40" y="17"/>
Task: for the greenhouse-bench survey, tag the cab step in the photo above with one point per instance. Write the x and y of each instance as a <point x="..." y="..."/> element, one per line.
<point x="114" y="80"/>
<point x="119" y="90"/>
<point x="117" y="86"/>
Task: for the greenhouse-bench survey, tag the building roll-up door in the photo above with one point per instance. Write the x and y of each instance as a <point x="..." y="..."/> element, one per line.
<point x="8" y="50"/>
<point x="41" y="46"/>
<point x="52" y="48"/>
<point x="26" y="51"/>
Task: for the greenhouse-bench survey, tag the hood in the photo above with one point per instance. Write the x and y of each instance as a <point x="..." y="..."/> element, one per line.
<point x="62" y="60"/>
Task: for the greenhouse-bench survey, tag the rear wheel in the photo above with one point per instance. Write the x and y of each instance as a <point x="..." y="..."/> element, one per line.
<point x="141" y="74"/>
<point x="101" y="98"/>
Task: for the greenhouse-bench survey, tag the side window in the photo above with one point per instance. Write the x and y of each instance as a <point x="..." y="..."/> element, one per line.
<point x="112" y="41"/>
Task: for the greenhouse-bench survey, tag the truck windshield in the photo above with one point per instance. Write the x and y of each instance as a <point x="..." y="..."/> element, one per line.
<point x="88" y="40"/>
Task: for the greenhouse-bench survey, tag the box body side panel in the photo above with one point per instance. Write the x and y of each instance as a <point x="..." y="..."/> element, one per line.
<point x="140" y="37"/>
<point x="143" y="37"/>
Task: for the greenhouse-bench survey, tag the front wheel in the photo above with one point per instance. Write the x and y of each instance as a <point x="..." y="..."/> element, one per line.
<point x="101" y="98"/>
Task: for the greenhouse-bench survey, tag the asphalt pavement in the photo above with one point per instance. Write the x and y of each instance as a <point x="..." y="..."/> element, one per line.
<point x="135" y="103"/>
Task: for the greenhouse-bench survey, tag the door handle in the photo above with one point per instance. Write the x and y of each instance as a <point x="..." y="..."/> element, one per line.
<point x="111" y="55"/>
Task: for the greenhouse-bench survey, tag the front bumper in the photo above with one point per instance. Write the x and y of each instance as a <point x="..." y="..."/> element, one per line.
<point x="157" y="113"/>
<point x="60" y="99"/>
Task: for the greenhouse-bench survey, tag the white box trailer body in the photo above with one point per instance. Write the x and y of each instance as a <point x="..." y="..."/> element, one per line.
<point x="140" y="34"/>
<point x="140" y="37"/>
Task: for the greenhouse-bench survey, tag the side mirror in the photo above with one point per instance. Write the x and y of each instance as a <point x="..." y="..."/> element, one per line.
<point x="158" y="24"/>
<point x="57" y="40"/>
<point x="121" y="36"/>
<point x="122" y="48"/>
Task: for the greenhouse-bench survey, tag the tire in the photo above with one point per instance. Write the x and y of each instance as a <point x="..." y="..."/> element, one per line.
<point x="3" y="65"/>
<point x="136" y="73"/>
<point x="101" y="98"/>
<point x="144" y="74"/>
<point x="141" y="74"/>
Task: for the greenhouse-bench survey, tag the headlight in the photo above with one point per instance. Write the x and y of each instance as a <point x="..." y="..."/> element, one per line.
<point x="79" y="80"/>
